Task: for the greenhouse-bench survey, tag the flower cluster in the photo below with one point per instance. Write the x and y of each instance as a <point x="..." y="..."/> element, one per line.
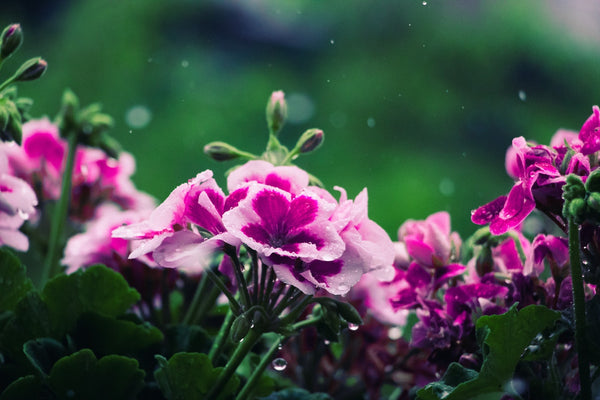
<point x="311" y="240"/>
<point x="540" y="173"/>
<point x="97" y="178"/>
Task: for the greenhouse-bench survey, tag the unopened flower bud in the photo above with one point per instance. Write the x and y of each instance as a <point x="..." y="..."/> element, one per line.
<point x="239" y="328"/>
<point x="276" y="111"/>
<point x="310" y="140"/>
<point x="221" y="151"/>
<point x="11" y="39"/>
<point x="31" y="69"/>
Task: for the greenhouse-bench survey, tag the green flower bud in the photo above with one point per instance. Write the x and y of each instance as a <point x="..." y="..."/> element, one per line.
<point x="11" y="39"/>
<point x="31" y="70"/>
<point x="310" y="140"/>
<point x="592" y="184"/>
<point x="221" y="151"/>
<point x="276" y="111"/>
<point x="239" y="328"/>
<point x="349" y="313"/>
<point x="484" y="262"/>
<point x="577" y="210"/>
<point x="573" y="188"/>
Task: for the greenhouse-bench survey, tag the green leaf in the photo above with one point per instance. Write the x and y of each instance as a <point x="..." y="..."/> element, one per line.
<point x="14" y="283"/>
<point x="30" y="320"/>
<point x="188" y="376"/>
<point x="296" y="394"/>
<point x="82" y="376"/>
<point x="107" y="335"/>
<point x="505" y="337"/>
<point x="43" y="353"/>
<point x="187" y="338"/>
<point x="26" y="387"/>
<point x="97" y="289"/>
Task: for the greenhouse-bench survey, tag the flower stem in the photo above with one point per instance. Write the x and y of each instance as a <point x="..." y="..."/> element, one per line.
<point x="236" y="359"/>
<point x="579" y="311"/>
<point x="258" y="371"/>
<point x="217" y="346"/>
<point x="60" y="214"/>
<point x="233" y="303"/>
<point x="191" y="311"/>
<point x="239" y="275"/>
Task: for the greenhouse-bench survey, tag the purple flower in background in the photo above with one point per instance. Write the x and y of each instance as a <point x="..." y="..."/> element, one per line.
<point x="590" y="133"/>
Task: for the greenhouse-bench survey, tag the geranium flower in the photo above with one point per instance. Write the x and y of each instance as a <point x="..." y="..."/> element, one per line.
<point x="590" y="133"/>
<point x="285" y="177"/>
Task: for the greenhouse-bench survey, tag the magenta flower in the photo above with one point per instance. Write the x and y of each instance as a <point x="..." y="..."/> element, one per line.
<point x="176" y="231"/>
<point x="17" y="204"/>
<point x="287" y="177"/>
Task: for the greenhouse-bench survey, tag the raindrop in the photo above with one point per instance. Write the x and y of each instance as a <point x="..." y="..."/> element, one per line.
<point x="301" y="108"/>
<point x="241" y="340"/>
<point x="279" y="364"/>
<point x="424" y="45"/>
<point x="343" y="288"/>
<point x="326" y="342"/>
<point x="332" y="41"/>
<point x="131" y="131"/>
<point x="328" y="80"/>
<point x="352" y="327"/>
<point x="424" y="3"/>
<point x="185" y="63"/>
<point x="522" y="95"/>
<point x="138" y="116"/>
<point x="371" y="122"/>
<point x="409" y="24"/>
<point x="462" y="107"/>
<point x="279" y="346"/>
<point x="150" y="59"/>
<point x="394" y="333"/>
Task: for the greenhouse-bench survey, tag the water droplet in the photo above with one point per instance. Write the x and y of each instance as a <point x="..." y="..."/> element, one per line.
<point x="241" y="340"/>
<point x="332" y="41"/>
<point x="522" y="95"/>
<point x="371" y="122"/>
<point x="394" y="333"/>
<point x="22" y="214"/>
<point x="185" y="63"/>
<point x="279" y="346"/>
<point x="279" y="364"/>
<point x="301" y="108"/>
<point x="462" y="107"/>
<point x="343" y="288"/>
<point x="424" y="45"/>
<point x="424" y="3"/>
<point x="409" y="24"/>
<point x="326" y="342"/>
<point x="150" y="59"/>
<point x="352" y="327"/>
<point x="328" y="80"/>
<point x="131" y="131"/>
<point x="138" y="116"/>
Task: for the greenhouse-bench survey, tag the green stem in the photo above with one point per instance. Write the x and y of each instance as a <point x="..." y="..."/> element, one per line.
<point x="219" y="343"/>
<point x="207" y="303"/>
<point x="287" y="299"/>
<point x="234" y="362"/>
<point x="296" y="311"/>
<point x="579" y="311"/>
<point x="60" y="214"/>
<point x="233" y="303"/>
<point x="303" y="324"/>
<point x="7" y="82"/>
<point x="258" y="371"/>
<point x="191" y="311"/>
<point x="262" y="297"/>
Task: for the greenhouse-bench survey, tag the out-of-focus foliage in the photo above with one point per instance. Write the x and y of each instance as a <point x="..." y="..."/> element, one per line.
<point x="418" y="100"/>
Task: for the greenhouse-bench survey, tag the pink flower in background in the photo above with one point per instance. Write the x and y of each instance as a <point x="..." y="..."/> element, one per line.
<point x="17" y="204"/>
<point x="590" y="133"/>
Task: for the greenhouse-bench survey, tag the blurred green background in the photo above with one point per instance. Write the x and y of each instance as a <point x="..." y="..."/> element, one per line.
<point x="418" y="100"/>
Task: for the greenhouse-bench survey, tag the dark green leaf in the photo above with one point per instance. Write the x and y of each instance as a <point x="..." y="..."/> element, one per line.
<point x="296" y="394"/>
<point x="82" y="376"/>
<point x="43" y="353"/>
<point x="26" y="387"/>
<point x="107" y="335"/>
<point x="187" y="338"/>
<point x="188" y="376"/>
<point x="14" y="283"/>
<point x="97" y="289"/>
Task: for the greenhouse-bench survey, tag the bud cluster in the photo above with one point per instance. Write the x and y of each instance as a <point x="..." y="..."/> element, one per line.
<point x="275" y="153"/>
<point x="13" y="110"/>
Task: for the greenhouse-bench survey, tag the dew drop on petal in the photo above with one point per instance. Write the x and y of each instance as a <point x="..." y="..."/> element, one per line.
<point x="352" y="327"/>
<point x="22" y="214"/>
<point x="279" y="364"/>
<point x="522" y="95"/>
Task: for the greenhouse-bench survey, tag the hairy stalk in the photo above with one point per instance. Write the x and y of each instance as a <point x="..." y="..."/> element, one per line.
<point x="274" y="298"/>
<point x="288" y="298"/>
<point x="239" y="275"/>
<point x="59" y="217"/>
<point x="233" y="303"/>
<point x="579" y="311"/>
<point x="296" y="311"/>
